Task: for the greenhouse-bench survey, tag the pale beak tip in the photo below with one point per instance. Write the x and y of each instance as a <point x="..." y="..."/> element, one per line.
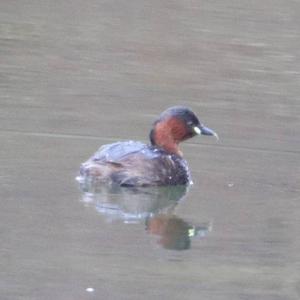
<point x="216" y="136"/>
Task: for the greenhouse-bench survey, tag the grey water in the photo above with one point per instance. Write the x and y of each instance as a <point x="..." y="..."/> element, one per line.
<point x="75" y="75"/>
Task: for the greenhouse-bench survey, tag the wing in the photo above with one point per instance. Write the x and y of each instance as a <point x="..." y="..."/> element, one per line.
<point x="116" y="152"/>
<point x="135" y="164"/>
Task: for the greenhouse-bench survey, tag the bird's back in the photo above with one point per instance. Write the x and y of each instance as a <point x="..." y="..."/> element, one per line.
<point x="136" y="164"/>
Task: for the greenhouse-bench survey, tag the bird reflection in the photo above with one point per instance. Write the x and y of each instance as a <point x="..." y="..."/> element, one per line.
<point x="153" y="206"/>
<point x="173" y="232"/>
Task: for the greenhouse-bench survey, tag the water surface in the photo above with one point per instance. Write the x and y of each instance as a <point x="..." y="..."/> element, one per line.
<point x="76" y="75"/>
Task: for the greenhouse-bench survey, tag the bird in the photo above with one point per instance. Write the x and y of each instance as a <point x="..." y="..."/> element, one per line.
<point x="158" y="163"/>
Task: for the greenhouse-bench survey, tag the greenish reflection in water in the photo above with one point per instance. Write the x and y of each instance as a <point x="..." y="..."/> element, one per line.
<point x="153" y="206"/>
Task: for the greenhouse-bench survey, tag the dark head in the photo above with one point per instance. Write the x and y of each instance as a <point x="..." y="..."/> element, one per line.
<point x="175" y="125"/>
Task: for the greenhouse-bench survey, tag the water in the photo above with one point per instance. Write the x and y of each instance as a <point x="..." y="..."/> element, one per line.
<point x="75" y="76"/>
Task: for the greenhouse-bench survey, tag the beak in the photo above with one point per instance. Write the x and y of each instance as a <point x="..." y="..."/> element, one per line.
<point x="205" y="131"/>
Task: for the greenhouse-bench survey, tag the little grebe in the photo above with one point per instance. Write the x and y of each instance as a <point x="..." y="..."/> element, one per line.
<point x="133" y="163"/>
